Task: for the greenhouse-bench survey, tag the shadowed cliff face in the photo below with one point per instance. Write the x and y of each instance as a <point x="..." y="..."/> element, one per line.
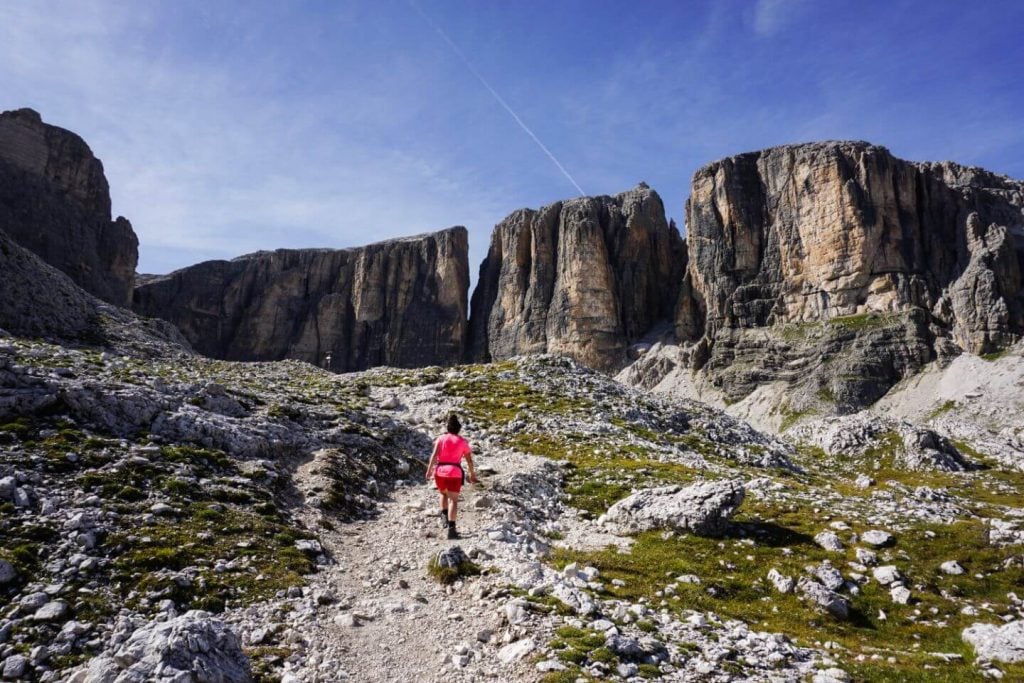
<point x="908" y="261"/>
<point x="54" y="201"/>
<point x="400" y="303"/>
<point x="582" y="278"/>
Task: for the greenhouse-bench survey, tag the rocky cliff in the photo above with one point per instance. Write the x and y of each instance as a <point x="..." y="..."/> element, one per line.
<point x="582" y="278"/>
<point x="399" y="303"/>
<point x="55" y="201"/>
<point x="842" y="267"/>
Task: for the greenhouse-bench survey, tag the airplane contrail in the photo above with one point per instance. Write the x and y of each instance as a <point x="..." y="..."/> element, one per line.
<point x="483" y="81"/>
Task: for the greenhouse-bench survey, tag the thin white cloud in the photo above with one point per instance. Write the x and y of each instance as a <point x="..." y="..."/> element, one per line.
<point x="205" y="164"/>
<point x="771" y="16"/>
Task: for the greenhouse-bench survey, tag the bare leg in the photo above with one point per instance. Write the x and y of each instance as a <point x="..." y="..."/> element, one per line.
<point x="453" y="506"/>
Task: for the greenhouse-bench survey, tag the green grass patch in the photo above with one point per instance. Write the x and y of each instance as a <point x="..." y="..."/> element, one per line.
<point x="977" y="490"/>
<point x="602" y="470"/>
<point x="491" y="398"/>
<point x="734" y="585"/>
<point x="21" y="428"/>
<point x="863" y="322"/>
<point x="790" y="416"/>
<point x="201" y="535"/>
<point x="449" y="575"/>
<point x="941" y="409"/>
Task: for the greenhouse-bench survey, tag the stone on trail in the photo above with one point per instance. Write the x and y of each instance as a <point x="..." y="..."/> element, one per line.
<point x="451" y="558"/>
<point x="513" y="652"/>
<point x="51" y="611"/>
<point x="997" y="643"/>
<point x="346" y="620"/>
<point x="309" y="546"/>
<point x="14" y="667"/>
<point x="703" y="508"/>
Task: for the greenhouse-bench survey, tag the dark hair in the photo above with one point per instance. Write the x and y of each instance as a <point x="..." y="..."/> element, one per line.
<point x="454" y="426"/>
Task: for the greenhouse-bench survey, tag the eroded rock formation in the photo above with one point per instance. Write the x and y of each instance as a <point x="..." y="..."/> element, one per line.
<point x="806" y="254"/>
<point x="581" y="278"/>
<point x="400" y="303"/>
<point x="55" y="201"/>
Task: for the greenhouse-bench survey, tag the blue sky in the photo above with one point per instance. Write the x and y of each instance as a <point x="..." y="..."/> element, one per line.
<point x="229" y="127"/>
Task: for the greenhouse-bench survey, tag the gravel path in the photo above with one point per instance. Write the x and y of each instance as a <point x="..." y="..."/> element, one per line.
<point x="393" y="622"/>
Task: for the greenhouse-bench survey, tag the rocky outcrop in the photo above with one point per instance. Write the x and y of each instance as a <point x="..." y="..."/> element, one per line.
<point x="813" y="232"/>
<point x="194" y="646"/>
<point x="399" y="303"/>
<point x="37" y="300"/>
<point x="703" y="508"/>
<point x="839" y="267"/>
<point x="582" y="278"/>
<point x="997" y="643"/>
<point x="55" y="201"/>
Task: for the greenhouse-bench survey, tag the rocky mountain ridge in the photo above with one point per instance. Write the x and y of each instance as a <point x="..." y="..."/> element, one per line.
<point x="584" y="278"/>
<point x="401" y="302"/>
<point x="838" y="253"/>
<point x="164" y="515"/>
<point x="55" y="201"/>
<point x="832" y="269"/>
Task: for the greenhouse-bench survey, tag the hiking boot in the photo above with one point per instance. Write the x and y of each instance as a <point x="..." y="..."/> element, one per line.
<point x="444" y="518"/>
<point x="452" y="533"/>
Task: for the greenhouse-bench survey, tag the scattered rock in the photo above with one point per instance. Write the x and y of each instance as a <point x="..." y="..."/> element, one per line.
<point x="951" y="567"/>
<point x="997" y="643"/>
<point x="900" y="595"/>
<point x="51" y="611"/>
<point x="516" y="651"/>
<point x="782" y="583"/>
<point x="876" y="538"/>
<point x="7" y="572"/>
<point x="886" y="575"/>
<point x="15" y="667"/>
<point x="829" y="540"/>
<point x="824" y="599"/>
<point x="703" y="508"/>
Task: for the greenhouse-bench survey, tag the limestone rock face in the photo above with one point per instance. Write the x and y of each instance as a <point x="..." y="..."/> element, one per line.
<point x="399" y="303"/>
<point x="55" y="201"/>
<point x="582" y="278"/>
<point x="812" y="232"/>
<point x="805" y="254"/>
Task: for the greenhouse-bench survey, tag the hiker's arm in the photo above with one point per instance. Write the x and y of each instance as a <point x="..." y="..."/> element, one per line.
<point x="433" y="459"/>
<point x="472" y="470"/>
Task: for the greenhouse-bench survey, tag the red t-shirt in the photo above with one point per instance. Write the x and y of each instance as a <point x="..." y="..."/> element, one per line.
<point x="450" y="449"/>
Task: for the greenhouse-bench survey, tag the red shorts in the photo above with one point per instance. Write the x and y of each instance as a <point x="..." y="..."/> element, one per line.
<point x="448" y="478"/>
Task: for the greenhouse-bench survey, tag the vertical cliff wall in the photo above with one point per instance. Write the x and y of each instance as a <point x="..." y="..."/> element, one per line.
<point x="55" y="201"/>
<point x="399" y="303"/>
<point x="582" y="278"/>
<point x="904" y="262"/>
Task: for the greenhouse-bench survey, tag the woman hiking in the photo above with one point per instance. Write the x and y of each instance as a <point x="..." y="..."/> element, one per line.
<point x="449" y="449"/>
